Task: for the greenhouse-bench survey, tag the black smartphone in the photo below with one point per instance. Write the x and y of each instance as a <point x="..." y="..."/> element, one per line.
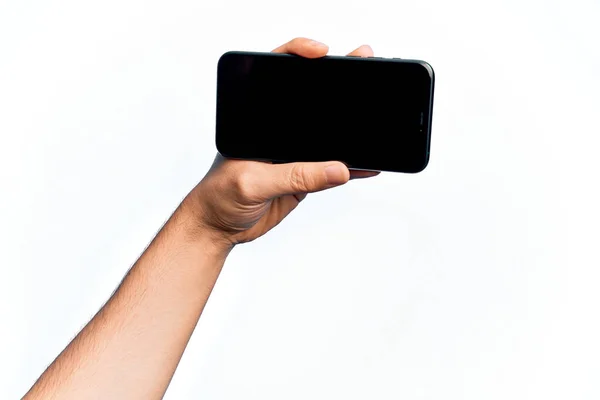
<point x="369" y="113"/>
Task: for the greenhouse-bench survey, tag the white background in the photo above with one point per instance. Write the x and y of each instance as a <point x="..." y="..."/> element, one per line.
<point x="476" y="279"/>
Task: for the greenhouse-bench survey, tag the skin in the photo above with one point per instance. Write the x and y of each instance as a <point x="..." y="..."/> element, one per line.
<point x="132" y="346"/>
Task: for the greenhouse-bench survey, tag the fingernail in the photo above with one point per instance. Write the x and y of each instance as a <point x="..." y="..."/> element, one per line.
<point x="336" y="175"/>
<point x="317" y="44"/>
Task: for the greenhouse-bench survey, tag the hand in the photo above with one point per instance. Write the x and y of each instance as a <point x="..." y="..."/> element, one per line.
<point x="242" y="200"/>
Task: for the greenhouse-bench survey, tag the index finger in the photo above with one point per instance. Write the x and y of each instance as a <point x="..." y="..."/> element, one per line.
<point x="303" y="47"/>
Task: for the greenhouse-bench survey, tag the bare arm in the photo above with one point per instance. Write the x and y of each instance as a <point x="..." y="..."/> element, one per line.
<point x="131" y="348"/>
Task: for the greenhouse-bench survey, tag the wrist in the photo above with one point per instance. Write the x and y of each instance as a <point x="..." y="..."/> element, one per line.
<point x="184" y="258"/>
<point x="188" y="220"/>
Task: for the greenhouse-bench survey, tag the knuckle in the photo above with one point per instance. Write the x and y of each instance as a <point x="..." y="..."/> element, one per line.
<point x="245" y="184"/>
<point x="296" y="40"/>
<point x="298" y="179"/>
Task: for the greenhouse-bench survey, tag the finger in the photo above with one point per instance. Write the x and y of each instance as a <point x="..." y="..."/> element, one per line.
<point x="354" y="174"/>
<point x="288" y="203"/>
<point x="284" y="205"/>
<point x="363" y="51"/>
<point x="300" y="196"/>
<point x="299" y="178"/>
<point x="303" y="47"/>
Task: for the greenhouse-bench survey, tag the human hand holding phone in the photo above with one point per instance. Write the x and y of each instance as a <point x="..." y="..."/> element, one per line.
<point x="241" y="200"/>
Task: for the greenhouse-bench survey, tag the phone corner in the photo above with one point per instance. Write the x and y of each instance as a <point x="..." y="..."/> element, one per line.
<point x="428" y="68"/>
<point x="423" y="166"/>
<point x="223" y="58"/>
<point x="219" y="147"/>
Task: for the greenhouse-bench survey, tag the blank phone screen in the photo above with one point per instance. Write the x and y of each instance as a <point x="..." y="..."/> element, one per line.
<point x="372" y="114"/>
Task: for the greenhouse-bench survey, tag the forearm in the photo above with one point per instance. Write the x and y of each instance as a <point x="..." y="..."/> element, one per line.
<point x="131" y="348"/>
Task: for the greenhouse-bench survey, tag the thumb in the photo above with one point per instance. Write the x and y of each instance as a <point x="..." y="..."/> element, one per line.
<point x="305" y="177"/>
